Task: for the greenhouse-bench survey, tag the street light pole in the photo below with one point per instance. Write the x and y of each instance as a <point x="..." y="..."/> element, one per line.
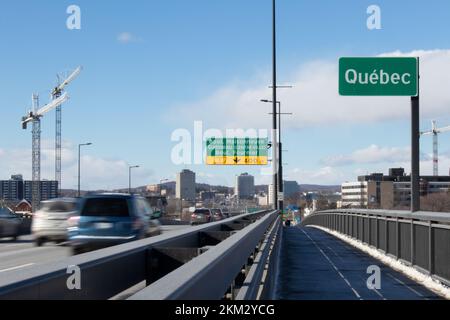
<point x="129" y="177"/>
<point x="79" y="166"/>
<point x="274" y="100"/>
<point x="280" y="155"/>
<point x="280" y="163"/>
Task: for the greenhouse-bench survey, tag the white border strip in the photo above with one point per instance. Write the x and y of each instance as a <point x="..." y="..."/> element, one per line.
<point x="421" y="278"/>
<point x="18" y="267"/>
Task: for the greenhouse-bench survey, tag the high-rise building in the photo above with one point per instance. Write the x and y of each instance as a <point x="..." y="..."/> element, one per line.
<point x="185" y="188"/>
<point x="245" y="186"/>
<point x="13" y="189"/>
<point x="270" y="194"/>
<point x="16" y="189"/>
<point x="291" y="188"/>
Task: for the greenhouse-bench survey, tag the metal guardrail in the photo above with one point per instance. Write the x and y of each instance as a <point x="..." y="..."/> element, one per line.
<point x="420" y="240"/>
<point x="221" y="268"/>
<point x="260" y="283"/>
<point x="214" y="253"/>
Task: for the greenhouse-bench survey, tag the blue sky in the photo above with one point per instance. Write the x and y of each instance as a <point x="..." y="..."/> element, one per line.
<point x="179" y="64"/>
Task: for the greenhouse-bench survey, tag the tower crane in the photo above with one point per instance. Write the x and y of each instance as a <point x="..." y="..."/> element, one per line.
<point x="34" y="116"/>
<point x="56" y="93"/>
<point x="435" y="131"/>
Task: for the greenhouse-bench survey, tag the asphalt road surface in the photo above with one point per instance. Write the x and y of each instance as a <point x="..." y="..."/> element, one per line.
<point x="22" y="254"/>
<point x="316" y="266"/>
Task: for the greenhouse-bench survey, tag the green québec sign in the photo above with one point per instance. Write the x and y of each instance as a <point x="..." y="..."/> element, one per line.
<point x="378" y="77"/>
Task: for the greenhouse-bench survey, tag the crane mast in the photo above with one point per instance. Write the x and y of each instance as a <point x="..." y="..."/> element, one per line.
<point x="58" y="144"/>
<point x="36" y="157"/>
<point x="57" y="92"/>
<point x="34" y="117"/>
<point x="435" y="131"/>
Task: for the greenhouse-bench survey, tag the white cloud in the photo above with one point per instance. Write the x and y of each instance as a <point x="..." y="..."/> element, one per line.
<point x="127" y="37"/>
<point x="97" y="172"/>
<point x="210" y="178"/>
<point x="206" y="175"/>
<point x="335" y="175"/>
<point x="314" y="100"/>
<point x="426" y="165"/>
<point x="371" y="154"/>
<point x="325" y="176"/>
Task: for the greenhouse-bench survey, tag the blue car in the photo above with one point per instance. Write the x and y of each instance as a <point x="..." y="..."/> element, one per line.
<point x="106" y="220"/>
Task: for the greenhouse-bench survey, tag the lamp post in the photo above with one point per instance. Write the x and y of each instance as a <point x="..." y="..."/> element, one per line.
<point x="274" y="101"/>
<point x="280" y="154"/>
<point x="129" y="177"/>
<point x="79" y="165"/>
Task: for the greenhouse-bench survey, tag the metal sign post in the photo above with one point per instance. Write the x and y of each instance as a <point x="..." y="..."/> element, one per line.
<point x="388" y="77"/>
<point x="415" y="148"/>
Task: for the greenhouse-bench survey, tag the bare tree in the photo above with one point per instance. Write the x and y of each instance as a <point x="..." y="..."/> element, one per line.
<point x="437" y="202"/>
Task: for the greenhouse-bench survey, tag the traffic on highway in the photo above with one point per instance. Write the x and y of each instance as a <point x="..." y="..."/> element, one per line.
<point x="69" y="226"/>
<point x="228" y="151"/>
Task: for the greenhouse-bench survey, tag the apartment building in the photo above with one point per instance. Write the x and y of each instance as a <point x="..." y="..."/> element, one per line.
<point x="389" y="191"/>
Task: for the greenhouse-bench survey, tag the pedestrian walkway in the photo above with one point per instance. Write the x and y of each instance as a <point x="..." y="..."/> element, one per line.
<point x="317" y="266"/>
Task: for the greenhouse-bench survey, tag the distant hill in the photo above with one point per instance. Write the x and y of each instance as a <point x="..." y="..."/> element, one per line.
<point x="262" y="188"/>
<point x="219" y="189"/>
<point x="319" y="188"/>
<point x="170" y="187"/>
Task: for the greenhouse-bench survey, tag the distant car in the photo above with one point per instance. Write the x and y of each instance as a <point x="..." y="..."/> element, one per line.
<point x="9" y="224"/>
<point x="226" y="213"/>
<point x="50" y="223"/>
<point x="110" y="219"/>
<point x="201" y="216"/>
<point x="218" y="214"/>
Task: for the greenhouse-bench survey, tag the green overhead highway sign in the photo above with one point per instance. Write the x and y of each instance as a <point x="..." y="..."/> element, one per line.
<point x="378" y="77"/>
<point x="237" y="151"/>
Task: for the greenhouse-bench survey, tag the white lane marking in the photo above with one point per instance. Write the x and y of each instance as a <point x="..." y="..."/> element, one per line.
<point x="4" y="245"/>
<point x="408" y="287"/>
<point x="18" y="267"/>
<point x="342" y="259"/>
<point x="334" y="266"/>
<point x="418" y="277"/>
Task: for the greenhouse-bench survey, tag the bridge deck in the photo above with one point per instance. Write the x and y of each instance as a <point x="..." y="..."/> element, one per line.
<point x="316" y="266"/>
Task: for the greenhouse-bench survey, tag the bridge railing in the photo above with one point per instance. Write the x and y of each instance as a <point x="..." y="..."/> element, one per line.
<point x="211" y="261"/>
<point x="420" y="240"/>
<point x="234" y="269"/>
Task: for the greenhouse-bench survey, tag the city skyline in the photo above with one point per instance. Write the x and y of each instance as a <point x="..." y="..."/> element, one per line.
<point x="330" y="139"/>
<point x="228" y="150"/>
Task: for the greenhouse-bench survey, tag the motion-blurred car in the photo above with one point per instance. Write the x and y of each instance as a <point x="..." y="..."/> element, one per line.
<point x="9" y="224"/>
<point x="201" y="216"/>
<point x="226" y="213"/>
<point x="218" y="214"/>
<point x="50" y="223"/>
<point x="110" y="219"/>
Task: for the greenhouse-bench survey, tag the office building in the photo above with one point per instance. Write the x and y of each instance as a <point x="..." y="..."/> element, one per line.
<point x="17" y="189"/>
<point x="13" y="189"/>
<point x="186" y="187"/>
<point x="389" y="191"/>
<point x="245" y="186"/>
<point x="154" y="189"/>
<point x="291" y="188"/>
<point x="271" y="195"/>
<point x="206" y="196"/>
<point x="263" y="200"/>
